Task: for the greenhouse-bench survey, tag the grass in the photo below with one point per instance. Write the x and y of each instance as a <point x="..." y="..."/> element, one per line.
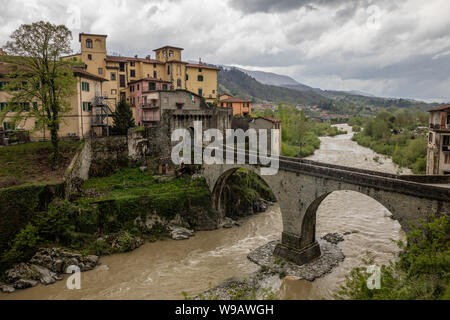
<point x="30" y="163"/>
<point x="131" y="183"/>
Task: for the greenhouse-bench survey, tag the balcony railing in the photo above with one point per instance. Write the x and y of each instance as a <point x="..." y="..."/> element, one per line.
<point x="149" y="106"/>
<point x="436" y="126"/>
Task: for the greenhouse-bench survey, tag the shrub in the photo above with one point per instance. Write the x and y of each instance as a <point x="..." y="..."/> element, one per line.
<point x="422" y="272"/>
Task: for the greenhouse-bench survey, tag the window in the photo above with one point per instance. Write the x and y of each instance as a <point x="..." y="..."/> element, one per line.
<point x="200" y="92"/>
<point x="100" y="70"/>
<point x="132" y="63"/>
<point x="154" y="65"/>
<point x="187" y="77"/>
<point x="89" y="43"/>
<point x="122" y="81"/>
<point x="113" y="76"/>
<point x="214" y="91"/>
<point x="1" y="85"/>
<point x="122" y="67"/>
<point x="85" y="86"/>
<point x="171" y="53"/>
<point x="154" y="74"/>
<point x="2" y="106"/>
<point x="168" y="69"/>
<point x="151" y="86"/>
<point x="200" y="78"/>
<point x="179" y="83"/>
<point x="447" y="158"/>
<point x="430" y="137"/>
<point x="164" y="86"/>
<point x="180" y="105"/>
<point x="89" y="56"/>
<point x="87" y="106"/>
<point x="199" y="69"/>
<point x="138" y="87"/>
<point x="133" y="73"/>
<point x="445" y="140"/>
<point x="131" y="88"/>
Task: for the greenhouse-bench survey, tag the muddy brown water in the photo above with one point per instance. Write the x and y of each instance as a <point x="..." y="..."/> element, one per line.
<point x="165" y="269"/>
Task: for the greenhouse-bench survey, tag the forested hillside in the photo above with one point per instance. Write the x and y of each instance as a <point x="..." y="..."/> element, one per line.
<point x="240" y="84"/>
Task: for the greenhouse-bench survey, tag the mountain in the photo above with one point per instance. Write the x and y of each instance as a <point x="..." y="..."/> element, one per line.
<point x="271" y="78"/>
<point x="239" y="83"/>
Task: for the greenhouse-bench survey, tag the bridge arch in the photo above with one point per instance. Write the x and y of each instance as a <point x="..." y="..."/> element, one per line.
<point x="300" y="187"/>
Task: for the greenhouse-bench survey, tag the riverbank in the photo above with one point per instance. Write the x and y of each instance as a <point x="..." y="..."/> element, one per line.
<point x="164" y="269"/>
<point x="118" y="213"/>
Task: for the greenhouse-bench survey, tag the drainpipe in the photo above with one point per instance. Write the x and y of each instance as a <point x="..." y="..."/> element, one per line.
<point x="81" y="108"/>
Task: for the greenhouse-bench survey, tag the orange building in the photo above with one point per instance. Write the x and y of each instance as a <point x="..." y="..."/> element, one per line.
<point x="240" y="106"/>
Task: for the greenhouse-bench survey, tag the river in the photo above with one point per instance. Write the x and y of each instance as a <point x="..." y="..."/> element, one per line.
<point x="164" y="269"/>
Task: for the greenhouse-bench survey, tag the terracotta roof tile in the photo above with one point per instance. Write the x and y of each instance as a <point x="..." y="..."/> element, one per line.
<point x="441" y="108"/>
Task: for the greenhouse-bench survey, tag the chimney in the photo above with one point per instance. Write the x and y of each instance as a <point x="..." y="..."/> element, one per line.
<point x="148" y="57"/>
<point x="135" y="55"/>
<point x="199" y="60"/>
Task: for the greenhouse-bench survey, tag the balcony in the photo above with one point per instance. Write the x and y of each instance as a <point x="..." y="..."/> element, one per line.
<point x="446" y="148"/>
<point x="435" y="126"/>
<point x="149" y="106"/>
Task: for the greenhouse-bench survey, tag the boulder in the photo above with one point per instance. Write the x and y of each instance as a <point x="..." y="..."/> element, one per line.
<point x="180" y="233"/>
<point x="333" y="238"/>
<point x="25" y="283"/>
<point x="6" y="288"/>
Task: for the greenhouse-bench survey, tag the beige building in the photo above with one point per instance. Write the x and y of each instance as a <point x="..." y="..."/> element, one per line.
<point x="75" y="124"/>
<point x="438" y="156"/>
<point x="167" y="65"/>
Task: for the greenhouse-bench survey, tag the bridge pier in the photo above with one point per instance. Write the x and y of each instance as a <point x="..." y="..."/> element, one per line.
<point x="294" y="249"/>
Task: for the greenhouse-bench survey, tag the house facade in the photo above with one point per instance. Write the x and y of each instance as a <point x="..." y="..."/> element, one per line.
<point x="167" y="65"/>
<point x="240" y="106"/>
<point x="438" y="154"/>
<point x="76" y="123"/>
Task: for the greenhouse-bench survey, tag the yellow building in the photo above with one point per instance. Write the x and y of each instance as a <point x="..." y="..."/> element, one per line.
<point x="77" y="123"/>
<point x="167" y="66"/>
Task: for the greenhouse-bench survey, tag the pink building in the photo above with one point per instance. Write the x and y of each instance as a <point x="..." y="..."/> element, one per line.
<point x="144" y="99"/>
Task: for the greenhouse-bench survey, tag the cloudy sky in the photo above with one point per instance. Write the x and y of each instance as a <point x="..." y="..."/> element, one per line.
<point x="388" y="48"/>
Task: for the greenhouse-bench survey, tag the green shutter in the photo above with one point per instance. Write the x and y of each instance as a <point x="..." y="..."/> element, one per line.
<point x="2" y="106"/>
<point x="82" y="85"/>
<point x="89" y="106"/>
<point x="87" y="86"/>
<point x="84" y="106"/>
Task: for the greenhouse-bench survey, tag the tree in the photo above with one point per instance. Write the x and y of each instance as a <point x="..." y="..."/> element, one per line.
<point x="39" y="75"/>
<point x="123" y="118"/>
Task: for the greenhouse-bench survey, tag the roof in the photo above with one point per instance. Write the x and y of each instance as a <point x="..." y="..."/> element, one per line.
<point x="234" y="99"/>
<point x="169" y="47"/>
<point x="83" y="73"/>
<point x="90" y="34"/>
<point x="126" y="59"/>
<point x="198" y="65"/>
<point x="148" y="79"/>
<point x="274" y="120"/>
<point x="441" y="108"/>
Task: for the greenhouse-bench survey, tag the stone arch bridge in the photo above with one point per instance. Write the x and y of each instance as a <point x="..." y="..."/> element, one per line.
<point x="301" y="185"/>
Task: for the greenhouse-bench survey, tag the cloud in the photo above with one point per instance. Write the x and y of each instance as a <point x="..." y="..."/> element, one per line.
<point x="384" y="47"/>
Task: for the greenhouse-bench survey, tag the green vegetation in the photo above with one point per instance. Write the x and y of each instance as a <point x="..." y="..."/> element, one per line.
<point x="39" y="75"/>
<point x="395" y="134"/>
<point x="299" y="134"/>
<point x="31" y="163"/>
<point x="240" y="84"/>
<point x="122" y="118"/>
<point x="241" y="191"/>
<point x="109" y="206"/>
<point x="423" y="271"/>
